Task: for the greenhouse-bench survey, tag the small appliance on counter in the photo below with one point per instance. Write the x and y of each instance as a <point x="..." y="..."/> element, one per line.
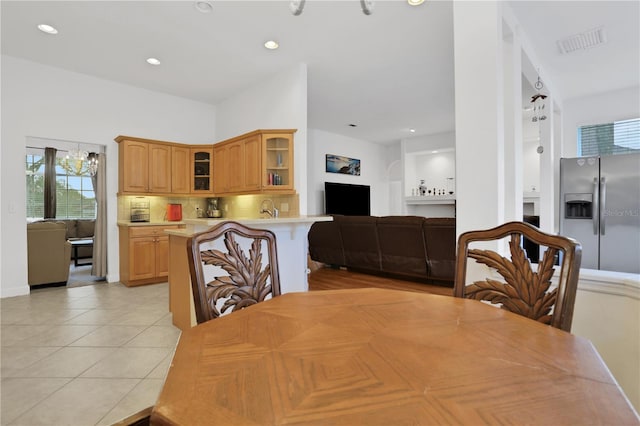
<point x="212" y="208"/>
<point x="174" y="212"/>
<point x="139" y="208"/>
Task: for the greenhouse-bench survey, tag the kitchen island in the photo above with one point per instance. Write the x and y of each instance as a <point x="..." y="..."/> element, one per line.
<point x="291" y="237"/>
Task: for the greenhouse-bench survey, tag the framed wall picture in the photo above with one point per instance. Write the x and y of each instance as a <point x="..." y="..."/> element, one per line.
<point x="344" y="165"/>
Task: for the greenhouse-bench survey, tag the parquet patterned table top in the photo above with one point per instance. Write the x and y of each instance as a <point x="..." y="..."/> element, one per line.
<point x="385" y="357"/>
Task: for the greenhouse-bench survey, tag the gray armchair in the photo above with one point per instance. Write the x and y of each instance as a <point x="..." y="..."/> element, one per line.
<point x="48" y="253"/>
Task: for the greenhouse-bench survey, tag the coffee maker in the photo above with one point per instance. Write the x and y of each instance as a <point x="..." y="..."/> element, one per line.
<point x="212" y="208"/>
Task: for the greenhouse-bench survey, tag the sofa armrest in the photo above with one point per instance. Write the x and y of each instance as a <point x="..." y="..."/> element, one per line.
<point x="325" y="243"/>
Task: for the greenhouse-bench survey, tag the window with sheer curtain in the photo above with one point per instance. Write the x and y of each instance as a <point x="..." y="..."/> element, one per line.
<point x="619" y="137"/>
<point x="75" y="196"/>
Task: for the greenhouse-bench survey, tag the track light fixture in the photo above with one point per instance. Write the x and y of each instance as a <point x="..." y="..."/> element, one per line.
<point x="296" y="6"/>
<point x="367" y="6"/>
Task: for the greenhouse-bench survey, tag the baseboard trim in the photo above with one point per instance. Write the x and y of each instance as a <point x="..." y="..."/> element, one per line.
<point x="14" y="291"/>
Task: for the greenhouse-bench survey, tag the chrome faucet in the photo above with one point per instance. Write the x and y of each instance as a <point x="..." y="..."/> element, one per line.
<point x="273" y="212"/>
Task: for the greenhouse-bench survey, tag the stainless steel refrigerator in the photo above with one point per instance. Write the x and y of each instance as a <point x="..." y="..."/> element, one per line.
<point x="600" y="207"/>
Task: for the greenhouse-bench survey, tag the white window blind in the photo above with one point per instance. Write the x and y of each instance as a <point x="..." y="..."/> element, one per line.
<point x="75" y="197"/>
<point x="620" y="137"/>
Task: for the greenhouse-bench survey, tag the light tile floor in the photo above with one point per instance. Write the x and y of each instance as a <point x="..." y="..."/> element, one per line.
<point x="89" y="355"/>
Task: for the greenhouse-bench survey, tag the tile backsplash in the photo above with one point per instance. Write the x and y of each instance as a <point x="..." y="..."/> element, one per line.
<point x="238" y="206"/>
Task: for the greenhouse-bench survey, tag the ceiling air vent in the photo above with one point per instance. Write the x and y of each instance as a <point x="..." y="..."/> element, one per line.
<point x="582" y="41"/>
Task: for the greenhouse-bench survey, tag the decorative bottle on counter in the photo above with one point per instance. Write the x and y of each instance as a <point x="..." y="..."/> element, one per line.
<point x="422" y="188"/>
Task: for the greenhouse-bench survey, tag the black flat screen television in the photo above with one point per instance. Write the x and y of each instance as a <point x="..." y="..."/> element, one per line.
<point x="347" y="199"/>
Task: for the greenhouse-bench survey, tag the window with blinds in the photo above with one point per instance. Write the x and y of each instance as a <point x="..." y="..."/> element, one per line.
<point x="75" y="197"/>
<point x="620" y="137"/>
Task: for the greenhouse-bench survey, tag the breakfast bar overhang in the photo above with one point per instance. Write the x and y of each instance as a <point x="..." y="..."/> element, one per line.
<point x="291" y="237"/>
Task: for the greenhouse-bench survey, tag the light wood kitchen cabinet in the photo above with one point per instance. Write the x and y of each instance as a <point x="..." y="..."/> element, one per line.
<point x="160" y="168"/>
<point x="220" y="184"/>
<point x="251" y="158"/>
<point x="236" y="166"/>
<point x="257" y="162"/>
<point x="133" y="166"/>
<point x="277" y="161"/>
<point x="201" y="161"/>
<point x="180" y="170"/>
<point x="144" y="254"/>
<point x="144" y="166"/>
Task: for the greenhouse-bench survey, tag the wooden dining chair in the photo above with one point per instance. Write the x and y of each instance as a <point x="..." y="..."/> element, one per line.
<point x="524" y="291"/>
<point x="231" y="280"/>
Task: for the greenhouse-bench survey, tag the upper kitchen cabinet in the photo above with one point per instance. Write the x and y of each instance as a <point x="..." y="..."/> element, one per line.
<point x="201" y="170"/>
<point x="220" y="174"/>
<point x="277" y="160"/>
<point x="133" y="165"/>
<point x="237" y="166"/>
<point x="160" y="168"/>
<point x="144" y="166"/>
<point x="256" y="162"/>
<point x="180" y="170"/>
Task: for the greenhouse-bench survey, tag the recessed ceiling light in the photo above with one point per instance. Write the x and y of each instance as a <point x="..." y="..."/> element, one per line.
<point x="204" y="6"/>
<point x="434" y="152"/>
<point x="271" y="44"/>
<point x="153" y="61"/>
<point x="415" y="2"/>
<point x="47" y="29"/>
<point x="412" y="130"/>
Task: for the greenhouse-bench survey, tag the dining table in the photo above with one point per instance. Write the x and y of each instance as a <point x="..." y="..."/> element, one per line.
<point x="385" y="357"/>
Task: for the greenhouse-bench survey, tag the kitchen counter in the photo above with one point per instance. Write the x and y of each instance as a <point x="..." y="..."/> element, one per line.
<point x="291" y="240"/>
<point x="207" y="221"/>
<point x="159" y="223"/>
<point x="199" y="225"/>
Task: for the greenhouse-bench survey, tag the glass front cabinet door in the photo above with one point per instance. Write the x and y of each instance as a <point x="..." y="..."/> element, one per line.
<point x="201" y="170"/>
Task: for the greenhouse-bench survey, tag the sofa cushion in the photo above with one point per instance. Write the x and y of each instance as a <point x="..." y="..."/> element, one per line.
<point x="78" y="229"/>
<point x="85" y="228"/>
<point x="359" y="241"/>
<point x="402" y="245"/>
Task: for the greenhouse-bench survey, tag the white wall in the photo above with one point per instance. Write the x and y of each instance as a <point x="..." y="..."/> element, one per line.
<point x="434" y="168"/>
<point x="597" y="109"/>
<point x="372" y="163"/>
<point x="531" y="166"/>
<point x="607" y="312"/>
<point x="277" y="103"/>
<point x="421" y="163"/>
<point x="46" y="102"/>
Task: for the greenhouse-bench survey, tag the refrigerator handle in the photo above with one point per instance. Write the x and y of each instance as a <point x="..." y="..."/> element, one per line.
<point x="603" y="204"/>
<point x="596" y="206"/>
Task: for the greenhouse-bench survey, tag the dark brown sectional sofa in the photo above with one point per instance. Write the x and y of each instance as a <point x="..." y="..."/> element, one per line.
<point x="411" y="247"/>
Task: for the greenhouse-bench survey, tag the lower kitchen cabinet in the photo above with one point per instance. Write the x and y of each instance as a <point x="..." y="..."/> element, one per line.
<point x="144" y="254"/>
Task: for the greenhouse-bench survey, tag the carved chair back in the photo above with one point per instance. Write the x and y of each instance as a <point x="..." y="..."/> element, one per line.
<point x="524" y="291"/>
<point x="232" y="266"/>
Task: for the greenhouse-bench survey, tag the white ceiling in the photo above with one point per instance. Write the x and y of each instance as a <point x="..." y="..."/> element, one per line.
<point x="387" y="72"/>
